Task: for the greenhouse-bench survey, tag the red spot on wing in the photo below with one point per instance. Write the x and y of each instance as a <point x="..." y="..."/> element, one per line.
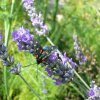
<point x="41" y="51"/>
<point x="37" y="56"/>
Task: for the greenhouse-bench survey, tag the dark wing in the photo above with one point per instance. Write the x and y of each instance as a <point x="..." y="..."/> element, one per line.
<point x="46" y="53"/>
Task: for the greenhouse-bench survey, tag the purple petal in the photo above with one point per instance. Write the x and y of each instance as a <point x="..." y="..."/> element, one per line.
<point x="50" y="73"/>
<point x="26" y="38"/>
<point x="1" y="38"/>
<point x="16" y="36"/>
<point x="91" y="93"/>
<point x="53" y="56"/>
<point x="58" y="82"/>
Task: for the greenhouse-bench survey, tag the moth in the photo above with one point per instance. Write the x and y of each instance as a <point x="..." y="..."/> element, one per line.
<point x="42" y="53"/>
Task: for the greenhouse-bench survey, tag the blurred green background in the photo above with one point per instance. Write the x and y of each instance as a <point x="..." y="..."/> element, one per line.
<point x="64" y="18"/>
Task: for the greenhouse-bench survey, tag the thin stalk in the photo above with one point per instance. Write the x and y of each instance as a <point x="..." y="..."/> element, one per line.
<point x="7" y="26"/>
<point x="12" y="8"/>
<point x="46" y="10"/>
<point x="29" y="65"/>
<point x="81" y="80"/>
<point x="70" y="65"/>
<point x="30" y="87"/>
<point x="5" y="70"/>
<point x="53" y="45"/>
<point x="50" y="41"/>
<point x="54" y="15"/>
<point x="77" y="90"/>
<point x="17" y="11"/>
<point x="80" y="77"/>
<point x="5" y="84"/>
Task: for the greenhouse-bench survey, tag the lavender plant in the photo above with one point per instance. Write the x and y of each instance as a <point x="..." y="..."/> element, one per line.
<point x="55" y="66"/>
<point x="63" y="62"/>
<point x="36" y="18"/>
<point x="94" y="92"/>
<point x="61" y="71"/>
<point x="79" y="54"/>
<point x="6" y="59"/>
<point x="59" y="67"/>
<point x="9" y="62"/>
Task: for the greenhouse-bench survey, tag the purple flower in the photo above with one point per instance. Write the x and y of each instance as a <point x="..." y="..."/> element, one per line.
<point x="27" y="2"/>
<point x="7" y="60"/>
<point x="94" y="92"/>
<point x="58" y="82"/>
<point x="21" y="46"/>
<point x="36" y="18"/>
<point x="16" y="70"/>
<point x="26" y="38"/>
<point x="69" y="75"/>
<point x="73" y="64"/>
<point x="83" y="60"/>
<point x="91" y="93"/>
<point x="58" y="72"/>
<point x="42" y="30"/>
<point x="79" y="54"/>
<point x="16" y="36"/>
<point x="59" y="68"/>
<point x="22" y="35"/>
<point x="65" y="60"/>
<point x="1" y="38"/>
<point x="53" y="57"/>
<point x="50" y="73"/>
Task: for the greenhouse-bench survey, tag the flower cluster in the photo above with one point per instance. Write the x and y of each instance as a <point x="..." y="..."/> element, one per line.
<point x="1" y="38"/>
<point x="23" y="37"/>
<point x="58" y="68"/>
<point x="16" y="69"/>
<point x="7" y="60"/>
<point x="94" y="92"/>
<point x="79" y="54"/>
<point x="36" y="18"/>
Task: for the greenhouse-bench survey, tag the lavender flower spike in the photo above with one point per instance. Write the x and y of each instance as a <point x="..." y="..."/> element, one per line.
<point x="66" y="60"/>
<point x="94" y="92"/>
<point x="53" y="57"/>
<point x="58" y="69"/>
<point x="79" y="54"/>
<point x="23" y="37"/>
<point x="16" y="70"/>
<point x="36" y="18"/>
<point x="1" y="38"/>
<point x="6" y="59"/>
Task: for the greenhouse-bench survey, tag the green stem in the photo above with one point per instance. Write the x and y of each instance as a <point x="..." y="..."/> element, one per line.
<point x="5" y="83"/>
<point x="81" y="80"/>
<point x="46" y="10"/>
<point x="49" y="41"/>
<point x="16" y="14"/>
<point x="29" y="65"/>
<point x="74" y="87"/>
<point x="12" y="7"/>
<point x="80" y="77"/>
<point x="54" y="15"/>
<point x="7" y="25"/>
<point x="70" y="65"/>
<point x="30" y="87"/>
<point x="5" y="70"/>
